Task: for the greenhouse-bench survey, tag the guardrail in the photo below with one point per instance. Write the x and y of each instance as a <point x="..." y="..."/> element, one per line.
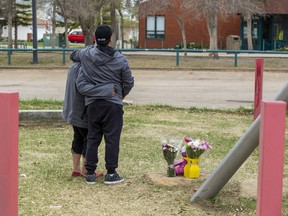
<point x="10" y="50"/>
<point x="176" y="51"/>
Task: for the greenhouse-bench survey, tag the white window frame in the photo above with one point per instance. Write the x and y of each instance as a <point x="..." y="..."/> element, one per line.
<point x="155" y="27"/>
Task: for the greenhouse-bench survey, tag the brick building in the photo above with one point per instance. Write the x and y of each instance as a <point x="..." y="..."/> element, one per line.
<point x="168" y="33"/>
<point x="270" y="30"/>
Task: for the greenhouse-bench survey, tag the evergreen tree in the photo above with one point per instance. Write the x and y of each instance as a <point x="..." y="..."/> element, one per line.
<point x="23" y="17"/>
<point x="3" y="21"/>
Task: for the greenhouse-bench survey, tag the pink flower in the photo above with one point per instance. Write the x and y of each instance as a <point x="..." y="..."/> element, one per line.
<point x="195" y="148"/>
<point x="186" y="139"/>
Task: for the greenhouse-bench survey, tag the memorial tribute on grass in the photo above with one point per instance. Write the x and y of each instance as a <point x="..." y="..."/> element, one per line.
<point x="170" y="151"/>
<point x="191" y="150"/>
<point x="194" y="148"/>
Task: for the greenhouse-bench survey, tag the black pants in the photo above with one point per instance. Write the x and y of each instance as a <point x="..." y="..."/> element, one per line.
<point x="79" y="142"/>
<point x="104" y="119"/>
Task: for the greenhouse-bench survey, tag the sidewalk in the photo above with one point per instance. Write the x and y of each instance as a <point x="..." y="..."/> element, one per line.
<point x="181" y="88"/>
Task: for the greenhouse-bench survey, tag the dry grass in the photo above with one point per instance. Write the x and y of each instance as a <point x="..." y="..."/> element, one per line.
<point x="158" y="61"/>
<point x="48" y="189"/>
<point x="55" y="58"/>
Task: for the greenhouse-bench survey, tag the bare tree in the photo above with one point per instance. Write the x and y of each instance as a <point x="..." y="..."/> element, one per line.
<point x="54" y="4"/>
<point x="113" y="5"/>
<point x="49" y="6"/>
<point x="86" y="12"/>
<point x="210" y="9"/>
<point x="116" y="7"/>
<point x="116" y="19"/>
<point x="121" y="27"/>
<point x="248" y="9"/>
<point x="132" y="7"/>
<point x="9" y="16"/>
<point x="63" y="8"/>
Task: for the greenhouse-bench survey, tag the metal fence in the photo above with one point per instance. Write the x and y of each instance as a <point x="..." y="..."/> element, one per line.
<point x="174" y="52"/>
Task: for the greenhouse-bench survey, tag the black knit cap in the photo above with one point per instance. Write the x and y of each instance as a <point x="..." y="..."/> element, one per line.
<point x="103" y="34"/>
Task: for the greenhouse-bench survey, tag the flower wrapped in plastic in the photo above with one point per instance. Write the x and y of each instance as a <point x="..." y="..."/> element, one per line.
<point x="170" y="152"/>
<point x="195" y="148"/>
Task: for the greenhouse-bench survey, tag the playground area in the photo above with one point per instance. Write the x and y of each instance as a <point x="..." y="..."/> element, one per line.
<point x="45" y="187"/>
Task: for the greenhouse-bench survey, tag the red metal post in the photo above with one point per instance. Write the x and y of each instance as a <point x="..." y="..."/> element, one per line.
<point x="9" y="121"/>
<point x="258" y="87"/>
<point x="271" y="158"/>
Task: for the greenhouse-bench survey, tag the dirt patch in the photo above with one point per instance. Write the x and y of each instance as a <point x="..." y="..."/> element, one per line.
<point x="162" y="179"/>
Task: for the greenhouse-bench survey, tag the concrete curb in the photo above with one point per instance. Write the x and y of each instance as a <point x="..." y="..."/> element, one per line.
<point x="40" y="117"/>
<point x="44" y="117"/>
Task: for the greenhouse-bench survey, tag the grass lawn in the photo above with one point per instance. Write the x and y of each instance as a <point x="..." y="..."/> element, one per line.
<point x="46" y="188"/>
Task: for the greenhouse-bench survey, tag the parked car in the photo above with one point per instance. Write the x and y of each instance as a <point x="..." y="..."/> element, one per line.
<point x="77" y="37"/>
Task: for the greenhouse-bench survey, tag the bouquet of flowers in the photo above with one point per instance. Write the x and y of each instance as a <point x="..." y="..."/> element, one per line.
<point x="170" y="151"/>
<point x="195" y="148"/>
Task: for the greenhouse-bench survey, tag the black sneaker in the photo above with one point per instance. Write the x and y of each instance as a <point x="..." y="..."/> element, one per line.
<point x="91" y="179"/>
<point x="113" y="179"/>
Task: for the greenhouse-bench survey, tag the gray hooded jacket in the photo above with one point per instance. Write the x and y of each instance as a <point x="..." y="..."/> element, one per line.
<point x="104" y="67"/>
<point x="74" y="104"/>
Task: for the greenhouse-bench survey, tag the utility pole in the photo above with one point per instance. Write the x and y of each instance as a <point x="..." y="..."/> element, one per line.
<point x="35" y="44"/>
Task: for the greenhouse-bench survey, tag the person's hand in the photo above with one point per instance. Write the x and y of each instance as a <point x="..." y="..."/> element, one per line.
<point x="113" y="92"/>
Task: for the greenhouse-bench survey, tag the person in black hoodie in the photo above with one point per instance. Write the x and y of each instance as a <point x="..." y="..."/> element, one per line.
<point x="101" y="64"/>
<point x="73" y="113"/>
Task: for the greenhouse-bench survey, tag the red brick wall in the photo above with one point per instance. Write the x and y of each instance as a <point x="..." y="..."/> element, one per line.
<point x="196" y="31"/>
<point x="276" y="7"/>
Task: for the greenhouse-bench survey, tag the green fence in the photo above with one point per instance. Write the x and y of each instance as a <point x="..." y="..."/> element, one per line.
<point x="174" y="52"/>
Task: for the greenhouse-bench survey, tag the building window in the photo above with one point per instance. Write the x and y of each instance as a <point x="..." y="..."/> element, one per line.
<point x="155" y="27"/>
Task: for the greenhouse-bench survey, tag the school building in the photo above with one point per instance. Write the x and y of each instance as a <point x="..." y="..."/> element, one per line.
<point x="269" y="31"/>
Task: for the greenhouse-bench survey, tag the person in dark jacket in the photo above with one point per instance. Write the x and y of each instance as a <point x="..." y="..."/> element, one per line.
<point x="101" y="64"/>
<point x="74" y="114"/>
